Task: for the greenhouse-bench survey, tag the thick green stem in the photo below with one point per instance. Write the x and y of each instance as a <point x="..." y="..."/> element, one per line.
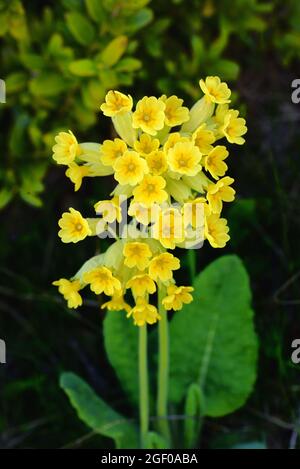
<point x="163" y="370"/>
<point x="143" y="385"/>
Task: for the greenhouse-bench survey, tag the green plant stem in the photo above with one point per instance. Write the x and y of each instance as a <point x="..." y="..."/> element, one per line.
<point x="163" y="370"/>
<point x="143" y="385"/>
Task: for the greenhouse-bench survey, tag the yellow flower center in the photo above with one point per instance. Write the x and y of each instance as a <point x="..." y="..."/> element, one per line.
<point x="131" y="167"/>
<point x="150" y="188"/>
<point x="146" y="117"/>
<point x="78" y="226"/>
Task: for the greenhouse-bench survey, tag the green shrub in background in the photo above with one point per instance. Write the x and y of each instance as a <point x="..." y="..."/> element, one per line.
<point x="60" y="62"/>
<point x="201" y="37"/>
<point x="287" y="30"/>
<point x="58" y="65"/>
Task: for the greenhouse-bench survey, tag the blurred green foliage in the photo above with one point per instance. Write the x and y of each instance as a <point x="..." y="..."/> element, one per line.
<point x="199" y="39"/>
<point x="58" y="63"/>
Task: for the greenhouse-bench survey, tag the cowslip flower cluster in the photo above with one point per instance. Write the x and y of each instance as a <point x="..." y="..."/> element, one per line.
<point x="169" y="165"/>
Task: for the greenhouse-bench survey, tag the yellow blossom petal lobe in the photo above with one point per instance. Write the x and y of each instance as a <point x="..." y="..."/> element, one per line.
<point x="73" y="226"/>
<point x="215" y="90"/>
<point x="161" y="267"/>
<point x="130" y="168"/>
<point x="149" y="115"/>
<point x="150" y="190"/>
<point x="69" y="289"/>
<point x="116" y="103"/>
<point x="137" y="254"/>
<point x="101" y="280"/>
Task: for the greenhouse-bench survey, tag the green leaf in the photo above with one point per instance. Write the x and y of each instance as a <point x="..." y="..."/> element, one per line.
<point x="33" y="61"/>
<point x="17" y="135"/>
<point x="6" y="195"/>
<point x="156" y="441"/>
<point x="55" y="44"/>
<point x="121" y="345"/>
<point x="95" y="10"/>
<point x="31" y="199"/>
<point x="108" y="78"/>
<point x="15" y="82"/>
<point x="194" y="411"/>
<point x="31" y="176"/>
<point x="80" y="27"/>
<point x="213" y="341"/>
<point x="48" y="84"/>
<point x="129" y="64"/>
<point x="98" y="415"/>
<point x="124" y="7"/>
<point x="83" y="68"/>
<point x="139" y="20"/>
<point x="227" y="69"/>
<point x="93" y="94"/>
<point x="4" y="23"/>
<point x="113" y="51"/>
<point x="72" y="4"/>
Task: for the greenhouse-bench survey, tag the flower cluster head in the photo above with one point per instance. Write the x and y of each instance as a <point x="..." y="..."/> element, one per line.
<point x="169" y="164"/>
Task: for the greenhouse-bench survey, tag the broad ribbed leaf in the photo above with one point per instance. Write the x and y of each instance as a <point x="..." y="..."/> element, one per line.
<point x="213" y="341"/>
<point x="98" y="415"/>
<point x="121" y="344"/>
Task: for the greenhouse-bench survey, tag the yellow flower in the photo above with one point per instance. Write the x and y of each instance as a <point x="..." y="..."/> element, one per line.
<point x="141" y="285"/>
<point x="149" y="115"/>
<point x="76" y="173"/>
<point x="169" y="228"/>
<point x="184" y="158"/>
<point x="157" y="162"/>
<point x="214" y="161"/>
<point x="203" y="139"/>
<point x="143" y="214"/>
<point x="69" y="290"/>
<point x="150" y="190"/>
<point x="216" y="230"/>
<point x="109" y="209"/>
<point x="73" y="226"/>
<point x="137" y="254"/>
<point x="130" y="168"/>
<point x="101" y="280"/>
<point x="174" y="138"/>
<point x="215" y="90"/>
<point x="175" y="113"/>
<point x="144" y="313"/>
<point x="194" y="212"/>
<point x="219" y="117"/>
<point x="116" y="103"/>
<point x="111" y="150"/>
<point x="177" y="297"/>
<point x="146" y="145"/>
<point x="117" y="303"/>
<point x="219" y="192"/>
<point x="66" y="148"/>
<point x="161" y="267"/>
<point x="234" y="127"/>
